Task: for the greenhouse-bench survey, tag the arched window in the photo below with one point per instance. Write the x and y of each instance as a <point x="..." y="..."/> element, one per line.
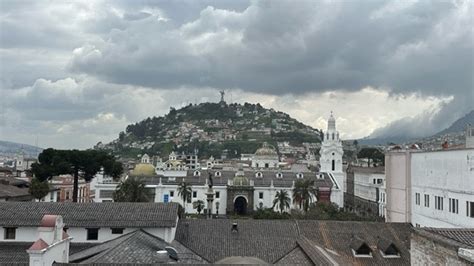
<point x="218" y="173"/>
<point x="299" y="175"/>
<point x="197" y="173"/>
<point x="332" y="136"/>
<point x="279" y="175"/>
<point x="259" y="175"/>
<point x="333" y="165"/>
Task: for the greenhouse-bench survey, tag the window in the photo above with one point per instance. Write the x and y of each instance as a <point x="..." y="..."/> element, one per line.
<point x="117" y="231"/>
<point x="363" y="251"/>
<point x="417" y="198"/>
<point x="51" y="196"/>
<point x="67" y="195"/>
<point x="299" y="175"/>
<point x="218" y="194"/>
<point x="427" y="200"/>
<point x="10" y="232"/>
<point x="218" y="173"/>
<point x="171" y="193"/>
<point x="439" y="203"/>
<point x="259" y="174"/>
<point x="333" y="165"/>
<point x="453" y="205"/>
<point x="279" y="175"/>
<point x="195" y="194"/>
<point x="374" y="181"/>
<point x="92" y="233"/>
<point x="197" y="173"/>
<point x="391" y="252"/>
<point x="470" y="209"/>
<point x="260" y="195"/>
<point x="379" y="181"/>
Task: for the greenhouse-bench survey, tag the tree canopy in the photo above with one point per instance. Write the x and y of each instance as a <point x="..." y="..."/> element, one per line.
<point x="373" y="154"/>
<point x="79" y="163"/>
<point x="39" y="189"/>
<point x="132" y="190"/>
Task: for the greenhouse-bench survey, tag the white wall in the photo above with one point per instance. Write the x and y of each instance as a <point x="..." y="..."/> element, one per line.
<point x="79" y="235"/>
<point x="398" y="186"/>
<point x="447" y="174"/>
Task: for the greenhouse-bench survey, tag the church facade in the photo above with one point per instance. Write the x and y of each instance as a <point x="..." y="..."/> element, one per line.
<point x="242" y="187"/>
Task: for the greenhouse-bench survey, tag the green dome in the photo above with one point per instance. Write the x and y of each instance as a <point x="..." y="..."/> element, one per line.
<point x="143" y="169"/>
<point x="241" y="180"/>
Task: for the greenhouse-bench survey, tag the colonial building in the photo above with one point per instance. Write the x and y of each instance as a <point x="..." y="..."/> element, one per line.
<point x="431" y="188"/>
<point x="88" y="222"/>
<point x="365" y="193"/>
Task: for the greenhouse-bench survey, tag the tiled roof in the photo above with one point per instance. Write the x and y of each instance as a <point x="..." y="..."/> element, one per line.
<point x="138" y="247"/>
<point x="294" y="242"/>
<point x="109" y="214"/>
<point x="268" y="240"/>
<point x="338" y="236"/>
<point x="14" y="253"/>
<point x="464" y="237"/>
<point x="10" y="191"/>
<point x="286" y="180"/>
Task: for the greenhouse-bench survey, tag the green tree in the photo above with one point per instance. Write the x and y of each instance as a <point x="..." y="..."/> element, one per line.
<point x="185" y="191"/>
<point x="81" y="164"/>
<point x="131" y="190"/>
<point x="373" y="154"/>
<point x="39" y="189"/>
<point x="303" y="193"/>
<point x="198" y="205"/>
<point x="282" y="200"/>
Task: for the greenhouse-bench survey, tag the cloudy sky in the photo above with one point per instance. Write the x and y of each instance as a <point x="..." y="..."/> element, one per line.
<point x="73" y="73"/>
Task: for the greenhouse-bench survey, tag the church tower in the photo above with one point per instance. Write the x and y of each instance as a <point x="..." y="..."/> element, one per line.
<point x="331" y="149"/>
<point x="331" y="161"/>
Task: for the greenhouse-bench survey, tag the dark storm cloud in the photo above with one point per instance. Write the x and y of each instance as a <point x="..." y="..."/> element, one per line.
<point x="270" y="47"/>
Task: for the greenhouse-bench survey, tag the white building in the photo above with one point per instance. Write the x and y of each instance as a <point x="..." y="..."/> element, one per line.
<point x="365" y="190"/>
<point x="236" y="190"/>
<point x="331" y="160"/>
<point x="431" y="188"/>
<point x="265" y="157"/>
<point x="88" y="222"/>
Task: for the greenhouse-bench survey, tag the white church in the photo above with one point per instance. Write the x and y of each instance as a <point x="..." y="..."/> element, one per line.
<point x="239" y="188"/>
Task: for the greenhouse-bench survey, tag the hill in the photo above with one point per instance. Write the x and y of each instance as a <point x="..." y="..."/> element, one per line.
<point x="459" y="125"/>
<point x="8" y="148"/>
<point x="455" y="134"/>
<point x="211" y="129"/>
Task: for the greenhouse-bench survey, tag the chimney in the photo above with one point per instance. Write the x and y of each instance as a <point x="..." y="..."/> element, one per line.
<point x="234" y="229"/>
<point x="53" y="243"/>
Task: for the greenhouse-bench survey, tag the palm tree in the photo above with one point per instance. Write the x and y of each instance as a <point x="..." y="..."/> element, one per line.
<point x="131" y="190"/>
<point x="185" y="191"/>
<point x="303" y="193"/>
<point x="282" y="200"/>
<point x="199" y="205"/>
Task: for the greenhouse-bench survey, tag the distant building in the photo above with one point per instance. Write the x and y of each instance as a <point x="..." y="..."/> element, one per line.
<point x="65" y="184"/>
<point x="265" y="157"/>
<point x="365" y="191"/>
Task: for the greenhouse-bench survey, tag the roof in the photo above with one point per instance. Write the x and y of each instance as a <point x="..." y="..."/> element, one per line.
<point x="268" y="176"/>
<point x="369" y="170"/>
<point x="107" y="214"/>
<point x="136" y="247"/>
<point x="294" y="241"/>
<point x="10" y="191"/>
<point x="14" y="253"/>
<point x="455" y="237"/>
